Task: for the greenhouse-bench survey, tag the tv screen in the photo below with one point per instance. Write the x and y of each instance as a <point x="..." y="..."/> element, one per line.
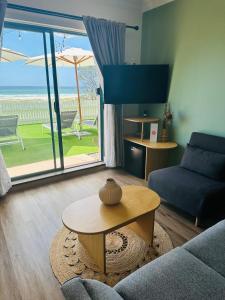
<point x="133" y="84"/>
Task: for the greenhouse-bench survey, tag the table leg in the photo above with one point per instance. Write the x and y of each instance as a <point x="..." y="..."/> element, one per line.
<point x="144" y="227"/>
<point x="95" y="245"/>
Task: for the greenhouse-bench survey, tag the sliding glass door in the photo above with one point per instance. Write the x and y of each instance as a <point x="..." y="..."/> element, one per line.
<point x="43" y="125"/>
<point x="25" y="105"/>
<point x="79" y="105"/>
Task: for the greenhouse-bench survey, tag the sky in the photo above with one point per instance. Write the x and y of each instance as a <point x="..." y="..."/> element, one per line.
<point x="31" y="44"/>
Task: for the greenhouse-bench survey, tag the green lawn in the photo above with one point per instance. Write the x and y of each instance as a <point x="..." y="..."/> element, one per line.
<point x="38" y="145"/>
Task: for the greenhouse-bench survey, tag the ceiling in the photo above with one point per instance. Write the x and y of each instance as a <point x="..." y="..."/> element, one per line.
<point x="150" y="4"/>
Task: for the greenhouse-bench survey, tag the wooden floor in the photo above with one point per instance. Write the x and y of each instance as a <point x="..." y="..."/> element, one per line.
<point x="30" y="219"/>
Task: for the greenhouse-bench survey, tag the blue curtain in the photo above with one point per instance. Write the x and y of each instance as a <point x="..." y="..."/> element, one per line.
<point x="3" y="4"/>
<point x="107" y="39"/>
<point x="5" y="181"/>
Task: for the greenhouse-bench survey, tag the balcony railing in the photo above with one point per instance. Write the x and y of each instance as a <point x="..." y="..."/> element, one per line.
<point x="32" y="111"/>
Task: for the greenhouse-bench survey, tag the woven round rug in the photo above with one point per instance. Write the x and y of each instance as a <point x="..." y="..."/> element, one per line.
<point x="125" y="253"/>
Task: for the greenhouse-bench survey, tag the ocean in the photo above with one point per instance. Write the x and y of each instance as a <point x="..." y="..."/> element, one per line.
<point x="30" y="103"/>
<point x="38" y="92"/>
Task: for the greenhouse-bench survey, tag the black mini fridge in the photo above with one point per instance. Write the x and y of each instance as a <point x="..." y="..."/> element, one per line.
<point x="134" y="159"/>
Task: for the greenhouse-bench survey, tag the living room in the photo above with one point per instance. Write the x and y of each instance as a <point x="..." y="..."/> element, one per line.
<point x="125" y="199"/>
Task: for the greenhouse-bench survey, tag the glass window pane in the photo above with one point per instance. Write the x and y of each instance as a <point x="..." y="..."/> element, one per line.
<point x="25" y="137"/>
<point x="79" y="105"/>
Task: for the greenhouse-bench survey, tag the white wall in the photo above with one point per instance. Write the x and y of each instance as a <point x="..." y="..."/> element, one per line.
<point x="127" y="11"/>
<point x="150" y="4"/>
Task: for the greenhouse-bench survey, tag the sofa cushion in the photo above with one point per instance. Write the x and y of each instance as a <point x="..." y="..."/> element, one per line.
<point x="204" y="162"/>
<point x="209" y="247"/>
<point x="185" y="189"/>
<point x="175" y="275"/>
<point x="79" y="289"/>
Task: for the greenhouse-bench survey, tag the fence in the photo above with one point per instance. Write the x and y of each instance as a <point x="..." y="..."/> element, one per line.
<point x="31" y="111"/>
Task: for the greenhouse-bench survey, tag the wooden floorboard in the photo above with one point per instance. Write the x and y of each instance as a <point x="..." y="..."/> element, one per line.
<point x="30" y="219"/>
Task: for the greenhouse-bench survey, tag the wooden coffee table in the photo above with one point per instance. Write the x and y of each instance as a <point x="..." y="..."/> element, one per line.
<point x="92" y="220"/>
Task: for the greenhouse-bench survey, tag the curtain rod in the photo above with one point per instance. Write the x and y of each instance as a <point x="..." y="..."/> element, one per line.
<point x="52" y="13"/>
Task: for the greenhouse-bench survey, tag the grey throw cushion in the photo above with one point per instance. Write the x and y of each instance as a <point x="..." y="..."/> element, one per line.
<point x="209" y="247"/>
<point x="210" y="164"/>
<point x="79" y="289"/>
<point x="178" y="275"/>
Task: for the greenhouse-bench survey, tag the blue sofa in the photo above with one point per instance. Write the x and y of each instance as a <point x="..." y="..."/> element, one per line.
<point x="197" y="185"/>
<point x="195" y="271"/>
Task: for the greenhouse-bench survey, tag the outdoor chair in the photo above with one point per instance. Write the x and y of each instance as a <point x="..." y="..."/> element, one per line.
<point x="8" y="131"/>
<point x="67" y="122"/>
<point x="91" y="122"/>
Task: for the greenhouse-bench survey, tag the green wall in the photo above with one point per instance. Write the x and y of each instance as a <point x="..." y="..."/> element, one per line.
<point x="190" y="36"/>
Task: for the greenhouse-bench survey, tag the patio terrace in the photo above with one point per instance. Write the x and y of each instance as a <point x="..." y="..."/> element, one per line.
<point x="38" y="154"/>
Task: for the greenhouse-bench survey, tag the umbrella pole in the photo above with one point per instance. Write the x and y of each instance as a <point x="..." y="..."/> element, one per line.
<point x="78" y="94"/>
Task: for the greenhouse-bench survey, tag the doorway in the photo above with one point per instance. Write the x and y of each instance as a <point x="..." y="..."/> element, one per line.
<point x="41" y="128"/>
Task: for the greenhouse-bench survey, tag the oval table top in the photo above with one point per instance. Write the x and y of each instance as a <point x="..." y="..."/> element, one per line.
<point x="91" y="216"/>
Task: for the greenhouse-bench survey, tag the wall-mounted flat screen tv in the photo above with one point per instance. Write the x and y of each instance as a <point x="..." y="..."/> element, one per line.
<point x="133" y="84"/>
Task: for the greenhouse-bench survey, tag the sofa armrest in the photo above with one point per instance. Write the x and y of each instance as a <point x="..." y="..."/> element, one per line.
<point x="74" y="289"/>
<point x="80" y="289"/>
<point x="175" y="275"/>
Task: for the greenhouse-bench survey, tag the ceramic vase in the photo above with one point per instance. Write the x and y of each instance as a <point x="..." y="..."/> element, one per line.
<point x="110" y="193"/>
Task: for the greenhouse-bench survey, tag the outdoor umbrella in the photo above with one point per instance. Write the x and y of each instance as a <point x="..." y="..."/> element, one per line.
<point x="72" y="57"/>
<point x="8" y="55"/>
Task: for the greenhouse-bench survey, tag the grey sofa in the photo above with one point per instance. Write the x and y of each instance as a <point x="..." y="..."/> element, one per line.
<point x="195" y="271"/>
<point x="197" y="185"/>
